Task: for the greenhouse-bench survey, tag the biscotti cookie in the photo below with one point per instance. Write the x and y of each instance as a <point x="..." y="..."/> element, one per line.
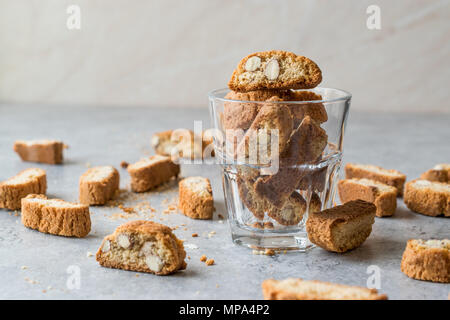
<point x="314" y="179"/>
<point x="259" y="137"/>
<point x="33" y="180"/>
<point x="56" y="216"/>
<point x="305" y="145"/>
<point x="98" y="185"/>
<point x="240" y="115"/>
<point x="195" y="198"/>
<point x="299" y="289"/>
<point x="275" y="70"/>
<point x="440" y="173"/>
<point x="44" y="151"/>
<point x="316" y="111"/>
<point x="393" y="178"/>
<point x="142" y="246"/>
<point x="255" y="204"/>
<point x="293" y="209"/>
<point x="180" y="143"/>
<point x="428" y="197"/>
<point x="341" y="228"/>
<point x="427" y="260"/>
<point x="151" y="172"/>
<point x="384" y="197"/>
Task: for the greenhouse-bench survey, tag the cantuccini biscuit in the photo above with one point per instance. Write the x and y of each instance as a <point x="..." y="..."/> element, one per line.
<point x="293" y="209"/>
<point x="98" y="185"/>
<point x="305" y="145"/>
<point x="298" y="289"/>
<point x="29" y="181"/>
<point x="255" y="204"/>
<point x="181" y="143"/>
<point x="314" y="179"/>
<point x="428" y="197"/>
<point x="275" y="70"/>
<point x="427" y="260"/>
<point x="341" y="228"/>
<point x="143" y="246"/>
<point x="44" y="151"/>
<point x="315" y="110"/>
<point x="240" y="115"/>
<point x="290" y="213"/>
<point x="151" y="172"/>
<point x="259" y="136"/>
<point x="439" y="173"/>
<point x="384" y="197"/>
<point x="196" y="198"/>
<point x="55" y="216"/>
<point x="393" y="178"/>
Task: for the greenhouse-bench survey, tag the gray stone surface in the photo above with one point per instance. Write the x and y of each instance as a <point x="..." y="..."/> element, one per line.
<point x="410" y="143"/>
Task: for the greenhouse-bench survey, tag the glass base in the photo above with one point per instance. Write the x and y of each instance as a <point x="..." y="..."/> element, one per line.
<point x="261" y="240"/>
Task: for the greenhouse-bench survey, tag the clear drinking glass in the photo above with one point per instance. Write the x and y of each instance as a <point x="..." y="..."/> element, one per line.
<point x="298" y="146"/>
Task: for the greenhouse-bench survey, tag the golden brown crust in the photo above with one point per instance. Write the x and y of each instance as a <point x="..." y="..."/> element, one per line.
<point x="274" y="290"/>
<point x="305" y="145"/>
<point x="239" y="115"/>
<point x="327" y="228"/>
<point x="98" y="192"/>
<point x="357" y="171"/>
<point x="270" y="117"/>
<point x="295" y="72"/>
<point x="427" y="200"/>
<point x="11" y="194"/>
<point x="430" y="264"/>
<point x="299" y="111"/>
<point x="146" y="175"/>
<point x="169" y="250"/>
<point x="196" y="204"/>
<point x="50" y="152"/>
<point x="68" y="221"/>
<point x="251" y="200"/>
<point x="385" y="201"/>
<point x="440" y="173"/>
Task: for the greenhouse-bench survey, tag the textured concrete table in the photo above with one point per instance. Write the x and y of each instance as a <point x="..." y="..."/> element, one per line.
<point x="40" y="266"/>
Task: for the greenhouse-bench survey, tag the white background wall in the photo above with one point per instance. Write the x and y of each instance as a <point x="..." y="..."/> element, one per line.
<point x="171" y="53"/>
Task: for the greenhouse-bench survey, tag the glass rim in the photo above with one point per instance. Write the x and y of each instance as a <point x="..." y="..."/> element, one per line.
<point x="345" y="96"/>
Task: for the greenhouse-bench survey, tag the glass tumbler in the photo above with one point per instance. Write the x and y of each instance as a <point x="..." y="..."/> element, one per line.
<point x="280" y="160"/>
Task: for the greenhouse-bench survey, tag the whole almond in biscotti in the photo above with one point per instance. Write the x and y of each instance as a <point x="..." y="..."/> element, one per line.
<point x="279" y="70"/>
<point x="274" y="121"/>
<point x="427" y="260"/>
<point x="299" y="289"/>
<point x="196" y="198"/>
<point x="29" y="181"/>
<point x="341" y="228"/>
<point x="384" y="197"/>
<point x="98" y="185"/>
<point x="56" y="216"/>
<point x="393" y="178"/>
<point x="439" y="173"/>
<point x="428" y="197"/>
<point x="151" y="172"/>
<point x="142" y="246"/>
<point x="43" y="151"/>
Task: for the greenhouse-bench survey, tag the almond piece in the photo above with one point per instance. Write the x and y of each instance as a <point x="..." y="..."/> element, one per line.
<point x="272" y="69"/>
<point x="253" y="63"/>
